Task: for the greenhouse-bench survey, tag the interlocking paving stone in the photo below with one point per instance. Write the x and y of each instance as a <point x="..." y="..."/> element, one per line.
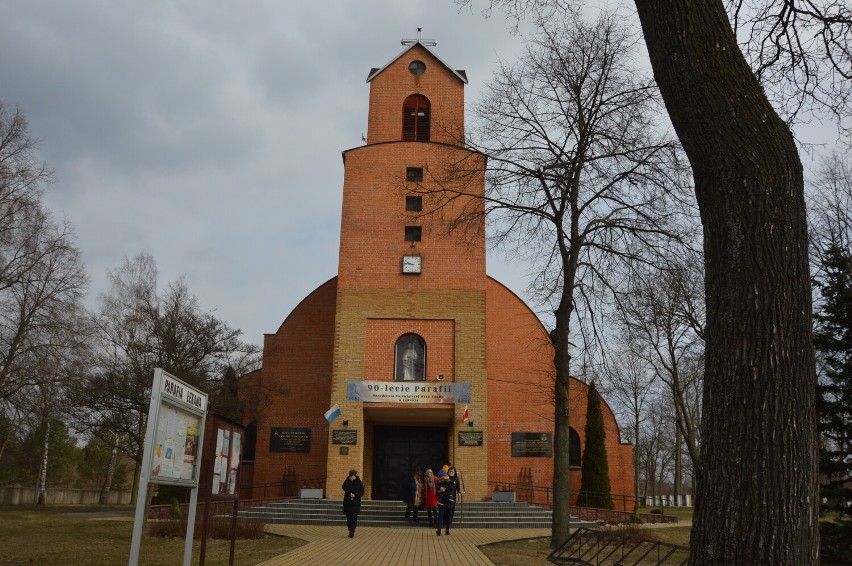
<point x="382" y="546"/>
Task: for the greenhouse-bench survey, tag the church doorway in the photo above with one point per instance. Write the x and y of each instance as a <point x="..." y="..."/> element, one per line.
<point x="399" y="450"/>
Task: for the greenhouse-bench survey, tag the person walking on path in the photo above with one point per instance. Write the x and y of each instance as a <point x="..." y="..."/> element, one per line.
<point x="456" y="478"/>
<point x="353" y="491"/>
<point x="412" y="496"/>
<point x="430" y="497"/>
<point x="446" y="491"/>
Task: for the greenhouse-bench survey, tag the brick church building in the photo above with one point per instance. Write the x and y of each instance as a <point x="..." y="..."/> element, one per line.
<point x="412" y="330"/>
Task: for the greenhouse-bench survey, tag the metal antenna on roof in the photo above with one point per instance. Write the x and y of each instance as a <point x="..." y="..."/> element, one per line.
<point x="426" y="42"/>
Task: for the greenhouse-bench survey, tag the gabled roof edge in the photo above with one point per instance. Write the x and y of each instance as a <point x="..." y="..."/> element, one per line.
<point x="462" y="76"/>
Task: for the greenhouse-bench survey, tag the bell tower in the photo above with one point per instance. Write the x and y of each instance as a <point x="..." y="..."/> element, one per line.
<point x="410" y="306"/>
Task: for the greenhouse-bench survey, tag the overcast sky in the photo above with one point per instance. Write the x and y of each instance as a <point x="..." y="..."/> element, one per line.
<point x="209" y="133"/>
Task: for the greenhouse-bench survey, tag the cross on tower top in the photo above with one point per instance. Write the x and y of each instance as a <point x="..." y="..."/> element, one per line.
<point x="426" y="42"/>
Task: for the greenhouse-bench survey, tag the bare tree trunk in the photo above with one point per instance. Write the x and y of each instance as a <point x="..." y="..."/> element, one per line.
<point x="42" y="479"/>
<point x="678" y="470"/>
<point x="104" y="497"/>
<point x="636" y="431"/>
<point x="562" y="423"/>
<point x="757" y="497"/>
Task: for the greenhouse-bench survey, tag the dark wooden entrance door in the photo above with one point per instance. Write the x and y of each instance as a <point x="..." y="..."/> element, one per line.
<point x="399" y="450"/>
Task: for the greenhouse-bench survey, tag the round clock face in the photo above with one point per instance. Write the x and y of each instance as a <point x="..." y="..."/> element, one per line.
<point x="411" y="263"/>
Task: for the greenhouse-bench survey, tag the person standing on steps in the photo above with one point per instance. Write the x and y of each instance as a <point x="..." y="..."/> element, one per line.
<point x="446" y="490"/>
<point x="353" y="491"/>
<point x="413" y="495"/>
<point x="430" y="497"/>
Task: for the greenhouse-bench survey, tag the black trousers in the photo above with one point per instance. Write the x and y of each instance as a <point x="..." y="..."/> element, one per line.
<point x="408" y="508"/>
<point x="445" y="517"/>
<point x="433" y="514"/>
<point x="351" y="521"/>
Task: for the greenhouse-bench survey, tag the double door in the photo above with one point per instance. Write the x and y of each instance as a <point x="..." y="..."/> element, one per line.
<point x="399" y="450"/>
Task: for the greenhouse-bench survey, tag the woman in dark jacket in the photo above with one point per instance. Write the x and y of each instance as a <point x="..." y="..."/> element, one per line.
<point x="353" y="491"/>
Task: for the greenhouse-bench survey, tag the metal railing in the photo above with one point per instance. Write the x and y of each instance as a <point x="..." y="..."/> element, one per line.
<point x="595" y="505"/>
<point x="594" y="548"/>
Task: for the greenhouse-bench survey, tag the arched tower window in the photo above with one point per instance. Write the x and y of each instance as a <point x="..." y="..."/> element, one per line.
<point x="573" y="448"/>
<point x="410" y="358"/>
<point x="415" y="118"/>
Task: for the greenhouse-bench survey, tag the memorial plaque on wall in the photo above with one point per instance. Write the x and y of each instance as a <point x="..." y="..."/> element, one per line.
<point x="532" y="444"/>
<point x="470" y="438"/>
<point x="290" y="440"/>
<point x="343" y="436"/>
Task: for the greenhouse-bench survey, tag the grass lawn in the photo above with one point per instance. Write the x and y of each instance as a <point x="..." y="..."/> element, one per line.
<point x="79" y="536"/>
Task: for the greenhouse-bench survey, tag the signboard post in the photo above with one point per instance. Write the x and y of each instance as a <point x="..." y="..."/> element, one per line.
<point x="172" y="454"/>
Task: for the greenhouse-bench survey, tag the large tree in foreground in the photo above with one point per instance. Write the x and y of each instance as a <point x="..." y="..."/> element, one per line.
<point x="579" y="178"/>
<point x="757" y="488"/>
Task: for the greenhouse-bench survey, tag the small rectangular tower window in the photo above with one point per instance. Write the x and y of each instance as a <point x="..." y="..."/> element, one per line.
<point x="414" y="204"/>
<point x="413" y="233"/>
<point x="414" y="174"/>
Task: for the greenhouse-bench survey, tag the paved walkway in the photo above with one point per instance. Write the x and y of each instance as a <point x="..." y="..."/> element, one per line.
<point x="376" y="546"/>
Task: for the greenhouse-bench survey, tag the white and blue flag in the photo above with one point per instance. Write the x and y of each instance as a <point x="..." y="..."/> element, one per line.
<point x="332" y="413"/>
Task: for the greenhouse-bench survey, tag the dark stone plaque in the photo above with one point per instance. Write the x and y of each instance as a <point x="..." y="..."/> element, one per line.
<point x="290" y="440"/>
<point x="343" y="436"/>
<point x="532" y="444"/>
<point x="470" y="438"/>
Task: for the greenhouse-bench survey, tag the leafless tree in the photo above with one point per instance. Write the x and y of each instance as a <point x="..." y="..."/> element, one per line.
<point x="830" y="206"/>
<point x="580" y="177"/>
<point x="630" y="385"/>
<point x="136" y="330"/>
<point x="662" y="314"/>
<point x="42" y="281"/>
<point x="759" y="382"/>
<point x="656" y="454"/>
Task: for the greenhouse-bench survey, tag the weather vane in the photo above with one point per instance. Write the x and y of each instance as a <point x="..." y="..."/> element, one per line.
<point x="426" y="42"/>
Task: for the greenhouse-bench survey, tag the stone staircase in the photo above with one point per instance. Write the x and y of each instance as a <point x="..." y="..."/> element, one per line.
<point x="392" y="514"/>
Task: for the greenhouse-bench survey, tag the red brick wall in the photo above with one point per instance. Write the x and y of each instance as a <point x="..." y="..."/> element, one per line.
<point x="520" y="396"/>
<point x="295" y="383"/>
<point x="372" y="233"/>
<point x="392" y="86"/>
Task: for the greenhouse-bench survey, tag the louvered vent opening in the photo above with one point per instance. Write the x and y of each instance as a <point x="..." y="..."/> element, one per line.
<point x="415" y="118"/>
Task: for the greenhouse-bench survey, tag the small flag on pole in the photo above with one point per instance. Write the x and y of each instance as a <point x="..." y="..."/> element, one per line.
<point x="465" y="415"/>
<point x="332" y="413"/>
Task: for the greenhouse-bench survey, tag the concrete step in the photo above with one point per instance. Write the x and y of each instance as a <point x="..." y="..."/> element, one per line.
<point x="392" y="514"/>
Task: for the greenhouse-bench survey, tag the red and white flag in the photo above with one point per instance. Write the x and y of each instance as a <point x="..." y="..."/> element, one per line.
<point x="465" y="415"/>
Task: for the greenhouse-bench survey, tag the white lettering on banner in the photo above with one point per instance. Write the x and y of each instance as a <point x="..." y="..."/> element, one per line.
<point x="395" y="392"/>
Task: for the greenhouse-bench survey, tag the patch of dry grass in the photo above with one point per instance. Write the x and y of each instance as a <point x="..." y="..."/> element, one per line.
<point x="534" y="552"/>
<point x="71" y="538"/>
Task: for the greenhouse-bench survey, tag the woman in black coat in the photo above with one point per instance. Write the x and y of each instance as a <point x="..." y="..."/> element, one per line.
<point x="353" y="491"/>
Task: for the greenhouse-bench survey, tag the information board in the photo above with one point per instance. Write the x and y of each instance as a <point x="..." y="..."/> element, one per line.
<point x="178" y="417"/>
<point x="470" y="438"/>
<point x="344" y="436"/>
<point x="532" y="444"/>
<point x="226" y="459"/>
<point x="175" y="445"/>
<point x="290" y="440"/>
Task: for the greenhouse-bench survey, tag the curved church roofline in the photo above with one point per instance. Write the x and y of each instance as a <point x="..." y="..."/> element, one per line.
<point x="302" y="302"/>
<point x="546" y="333"/>
<point x="445" y="144"/>
<point x="490" y="278"/>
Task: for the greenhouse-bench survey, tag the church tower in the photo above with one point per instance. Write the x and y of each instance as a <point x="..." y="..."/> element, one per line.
<point x="409" y="337"/>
